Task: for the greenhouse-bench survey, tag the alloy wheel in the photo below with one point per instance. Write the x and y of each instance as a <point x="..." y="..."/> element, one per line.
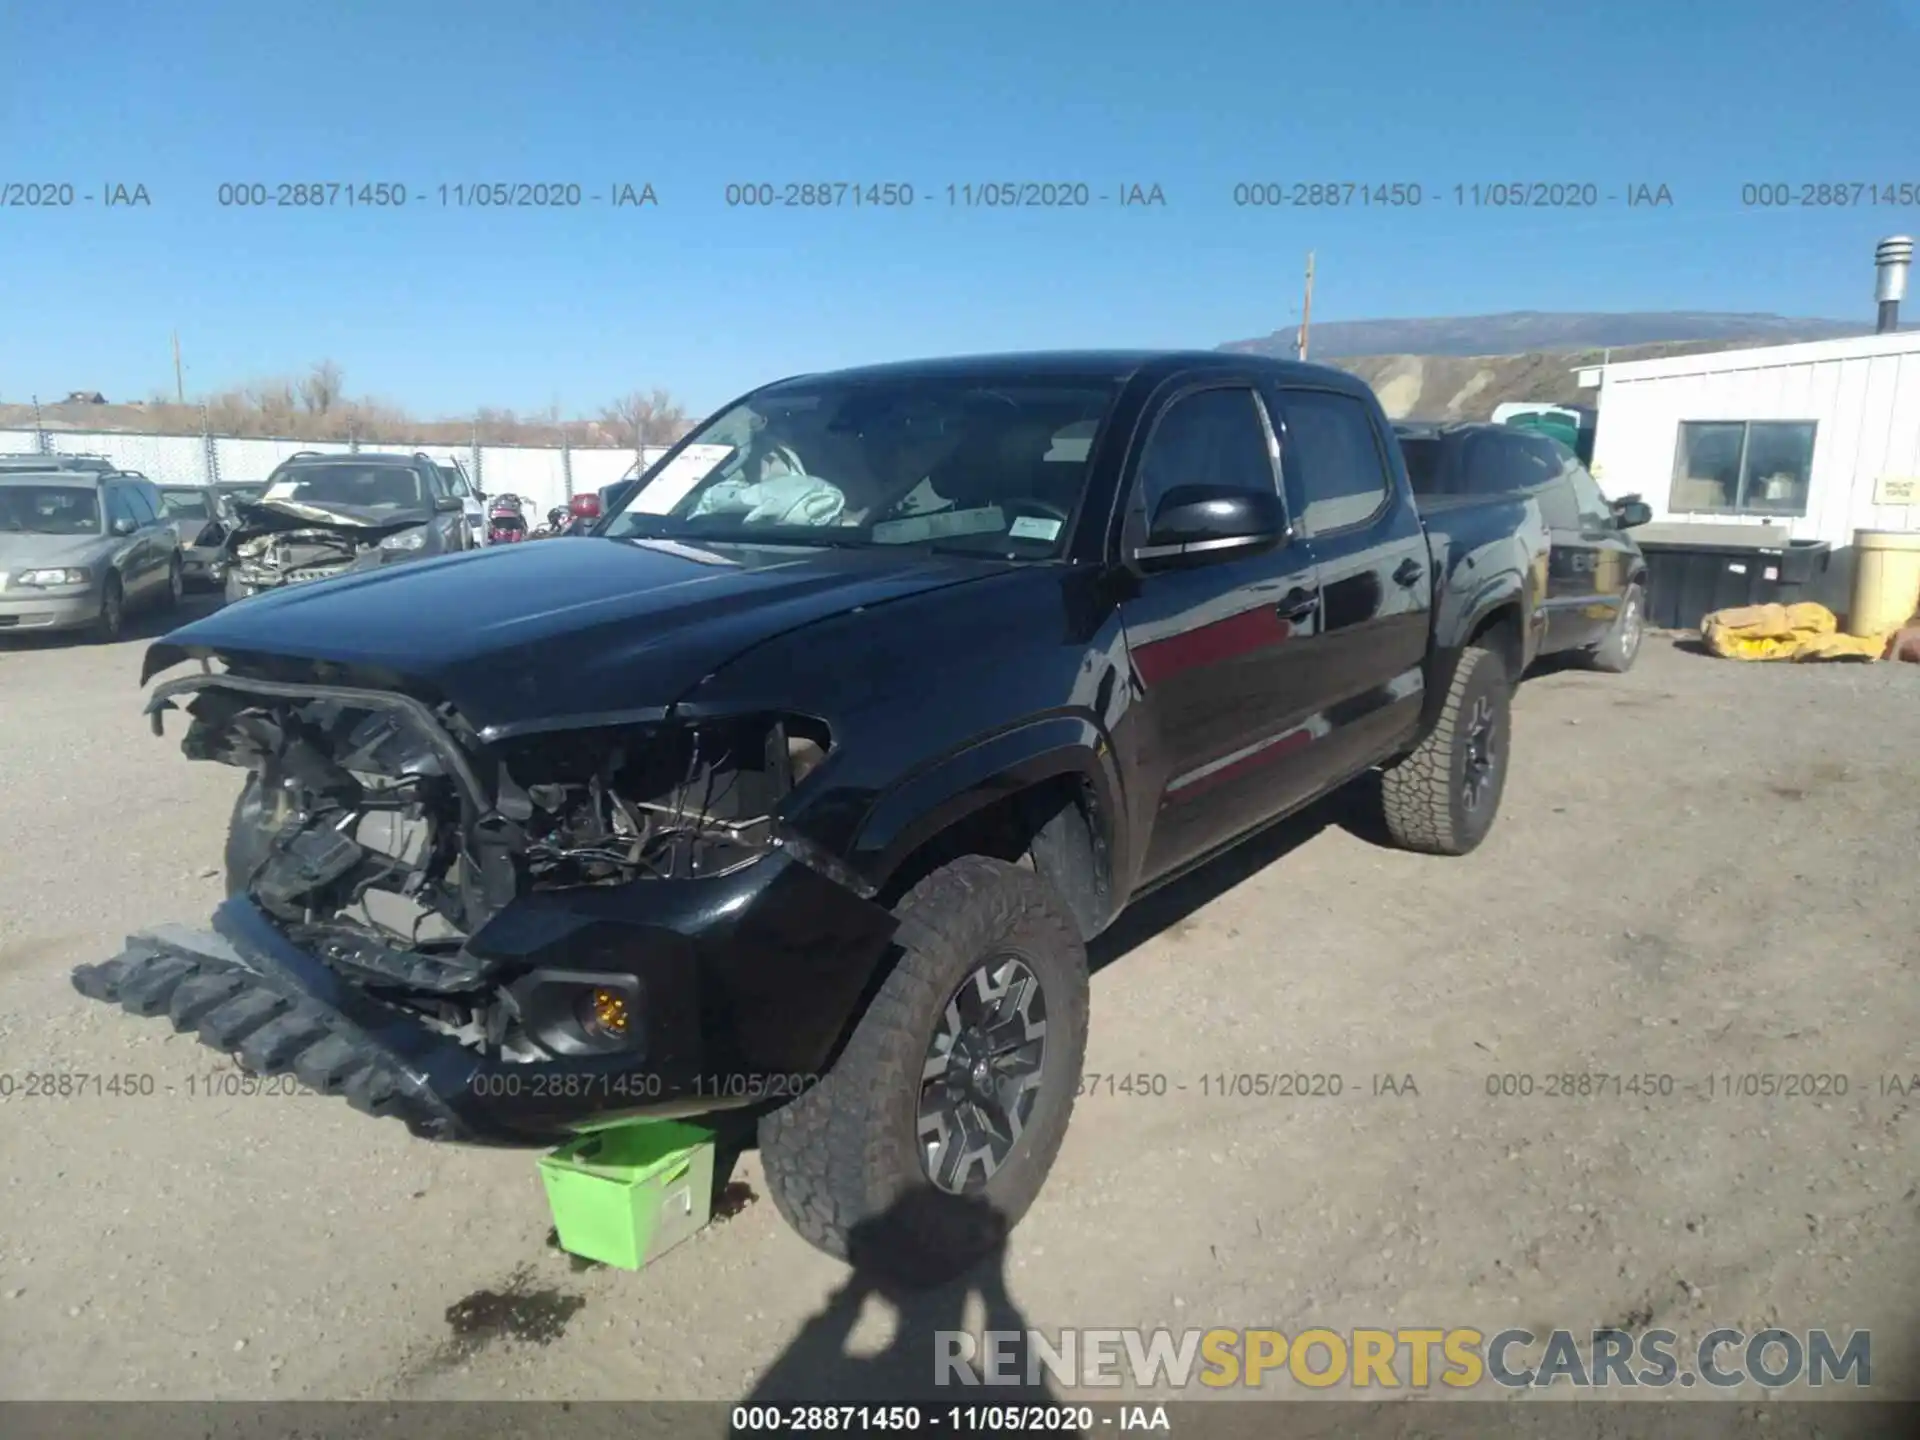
<point x="981" y="1077"/>
<point x="1631" y="628"/>
<point x="1483" y="753"/>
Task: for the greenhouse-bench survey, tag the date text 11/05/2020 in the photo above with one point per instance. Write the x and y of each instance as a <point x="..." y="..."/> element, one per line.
<point x="475" y="195"/>
<point x="1244" y="1084"/>
<point x="1479" y="195"/>
<point x="1582" y="1085"/>
<point x="971" y="195"/>
<point x="1143" y="1084"/>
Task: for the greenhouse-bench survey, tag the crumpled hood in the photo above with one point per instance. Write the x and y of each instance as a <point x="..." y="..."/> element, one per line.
<point x="540" y="636"/>
<point x="267" y="517"/>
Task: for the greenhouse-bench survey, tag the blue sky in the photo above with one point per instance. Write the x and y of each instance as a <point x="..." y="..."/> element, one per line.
<point x="442" y="309"/>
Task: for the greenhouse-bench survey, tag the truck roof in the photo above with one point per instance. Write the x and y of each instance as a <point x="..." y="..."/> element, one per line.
<point x="1115" y="366"/>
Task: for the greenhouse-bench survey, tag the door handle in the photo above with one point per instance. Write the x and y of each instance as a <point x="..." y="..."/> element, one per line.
<point x="1297" y="604"/>
<point x="1409" y="572"/>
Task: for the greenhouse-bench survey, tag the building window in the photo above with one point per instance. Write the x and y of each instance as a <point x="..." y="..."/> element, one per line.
<point x="1743" y="467"/>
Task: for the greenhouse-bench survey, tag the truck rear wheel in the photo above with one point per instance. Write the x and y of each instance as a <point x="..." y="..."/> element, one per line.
<point x="1442" y="798"/>
<point x="938" y="1124"/>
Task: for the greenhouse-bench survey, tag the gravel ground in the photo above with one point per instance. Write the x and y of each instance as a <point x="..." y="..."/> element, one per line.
<point x="1701" y="869"/>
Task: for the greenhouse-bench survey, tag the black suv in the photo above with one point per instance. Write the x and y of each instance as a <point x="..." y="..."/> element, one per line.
<point x="1596" y="575"/>
<point x="321" y="515"/>
<point x="799" y="786"/>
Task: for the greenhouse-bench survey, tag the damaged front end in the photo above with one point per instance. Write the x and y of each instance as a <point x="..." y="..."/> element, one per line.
<point x="500" y="941"/>
<point x="279" y="542"/>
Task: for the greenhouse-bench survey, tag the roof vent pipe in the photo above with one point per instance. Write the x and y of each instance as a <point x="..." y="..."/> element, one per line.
<point x="1891" y="258"/>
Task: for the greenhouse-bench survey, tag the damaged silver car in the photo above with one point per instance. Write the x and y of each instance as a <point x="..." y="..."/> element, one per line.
<point x="323" y="515"/>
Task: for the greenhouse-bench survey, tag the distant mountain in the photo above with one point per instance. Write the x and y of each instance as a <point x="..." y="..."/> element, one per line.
<point x="1468" y="387"/>
<point x="1533" y="331"/>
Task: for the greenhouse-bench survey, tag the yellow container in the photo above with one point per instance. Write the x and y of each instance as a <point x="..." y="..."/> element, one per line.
<point x="1886" y="580"/>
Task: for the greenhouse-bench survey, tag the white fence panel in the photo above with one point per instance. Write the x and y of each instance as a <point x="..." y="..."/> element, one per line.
<point x="596" y="469"/>
<point x="247" y="459"/>
<point x="163" y="459"/>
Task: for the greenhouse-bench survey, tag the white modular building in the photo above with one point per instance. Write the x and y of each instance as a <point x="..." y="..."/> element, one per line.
<point x="1781" y="443"/>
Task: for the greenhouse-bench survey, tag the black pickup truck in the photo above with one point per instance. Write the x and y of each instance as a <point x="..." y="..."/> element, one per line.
<point x="799" y="786"/>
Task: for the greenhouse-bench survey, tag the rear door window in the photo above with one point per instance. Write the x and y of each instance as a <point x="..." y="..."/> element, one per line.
<point x="1337" y="475"/>
<point x="120" y="506"/>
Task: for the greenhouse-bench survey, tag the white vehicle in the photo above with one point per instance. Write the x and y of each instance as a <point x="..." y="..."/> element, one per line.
<point x="473" y="504"/>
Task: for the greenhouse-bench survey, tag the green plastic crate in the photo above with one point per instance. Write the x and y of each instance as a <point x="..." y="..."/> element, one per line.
<point x="627" y="1194"/>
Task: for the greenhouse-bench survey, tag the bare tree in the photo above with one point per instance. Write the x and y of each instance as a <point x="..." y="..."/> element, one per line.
<point x="322" y="388"/>
<point x="647" y="418"/>
<point x="317" y="407"/>
<point x="495" y="426"/>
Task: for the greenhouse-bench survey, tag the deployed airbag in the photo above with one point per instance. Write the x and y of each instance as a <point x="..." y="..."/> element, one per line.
<point x="782" y="499"/>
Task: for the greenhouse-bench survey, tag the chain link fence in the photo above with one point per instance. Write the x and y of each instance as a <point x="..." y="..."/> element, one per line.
<point x="544" y="476"/>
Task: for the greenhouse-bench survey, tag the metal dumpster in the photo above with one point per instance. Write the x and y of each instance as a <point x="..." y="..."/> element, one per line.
<point x="1693" y="570"/>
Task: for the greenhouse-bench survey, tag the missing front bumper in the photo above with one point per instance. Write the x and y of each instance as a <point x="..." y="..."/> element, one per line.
<point x="743" y="983"/>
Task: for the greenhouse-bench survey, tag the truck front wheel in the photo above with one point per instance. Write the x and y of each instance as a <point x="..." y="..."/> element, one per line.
<point x="936" y="1127"/>
<point x="1617" y="652"/>
<point x="1442" y="798"/>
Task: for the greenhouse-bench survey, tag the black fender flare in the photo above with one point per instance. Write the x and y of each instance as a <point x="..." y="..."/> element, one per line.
<point x="932" y="799"/>
<point x="1511" y="590"/>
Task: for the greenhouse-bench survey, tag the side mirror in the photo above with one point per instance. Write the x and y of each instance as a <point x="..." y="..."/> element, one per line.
<point x="1629" y="513"/>
<point x="1196" y="523"/>
<point x="124" y="526"/>
<point x="448" y="505"/>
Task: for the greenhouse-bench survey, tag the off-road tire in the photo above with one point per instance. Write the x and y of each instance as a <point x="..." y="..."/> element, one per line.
<point x="1621" y="648"/>
<point x="111" y="623"/>
<point x="843" y="1161"/>
<point x="1423" y="794"/>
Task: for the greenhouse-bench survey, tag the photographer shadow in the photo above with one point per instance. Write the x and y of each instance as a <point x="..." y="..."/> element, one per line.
<point x="889" y="1258"/>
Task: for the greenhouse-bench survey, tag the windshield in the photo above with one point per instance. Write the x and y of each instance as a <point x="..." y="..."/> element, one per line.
<point x="50" y="509"/>
<point x="995" y="469"/>
<point x="366" y="487"/>
<point x="237" y="491"/>
<point x="185" y="504"/>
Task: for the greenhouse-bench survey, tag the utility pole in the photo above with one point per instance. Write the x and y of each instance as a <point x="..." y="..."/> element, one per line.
<point x="179" y="382"/>
<point x="1306" y="313"/>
